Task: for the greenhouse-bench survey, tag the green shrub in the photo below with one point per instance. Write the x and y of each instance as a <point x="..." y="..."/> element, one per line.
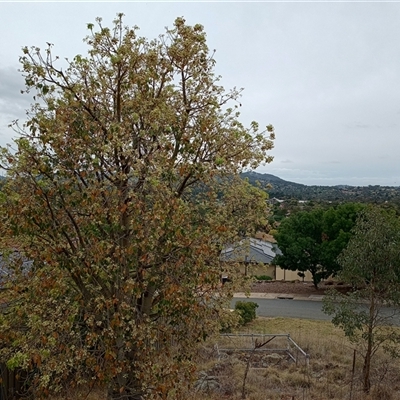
<point x="246" y="311"/>
<point x="263" y="278"/>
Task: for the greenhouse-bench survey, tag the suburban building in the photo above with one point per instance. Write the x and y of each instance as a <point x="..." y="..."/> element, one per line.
<point x="256" y="255"/>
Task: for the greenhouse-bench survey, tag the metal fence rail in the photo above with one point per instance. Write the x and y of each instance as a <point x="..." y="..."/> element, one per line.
<point x="247" y="342"/>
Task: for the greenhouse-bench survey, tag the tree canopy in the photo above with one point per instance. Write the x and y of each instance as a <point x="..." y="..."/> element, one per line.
<point x="312" y="240"/>
<point x="123" y="187"/>
<point x="371" y="264"/>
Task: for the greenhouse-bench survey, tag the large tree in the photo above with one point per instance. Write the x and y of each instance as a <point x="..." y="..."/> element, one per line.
<point x="312" y="240"/>
<point x="123" y="188"/>
<point x="371" y="264"/>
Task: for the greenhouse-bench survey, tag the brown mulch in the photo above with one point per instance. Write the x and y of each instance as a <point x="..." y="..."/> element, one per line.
<point x="304" y="288"/>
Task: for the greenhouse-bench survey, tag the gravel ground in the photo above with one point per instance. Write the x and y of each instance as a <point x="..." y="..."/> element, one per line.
<point x="305" y="288"/>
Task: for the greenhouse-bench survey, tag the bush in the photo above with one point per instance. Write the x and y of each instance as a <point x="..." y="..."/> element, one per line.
<point x="229" y="320"/>
<point x="246" y="311"/>
<point x="263" y="278"/>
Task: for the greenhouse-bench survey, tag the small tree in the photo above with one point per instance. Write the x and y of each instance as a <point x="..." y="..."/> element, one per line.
<point x="122" y="190"/>
<point x="371" y="263"/>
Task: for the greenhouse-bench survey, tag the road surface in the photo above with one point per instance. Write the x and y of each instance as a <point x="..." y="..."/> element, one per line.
<point x="287" y="308"/>
<point x="304" y="309"/>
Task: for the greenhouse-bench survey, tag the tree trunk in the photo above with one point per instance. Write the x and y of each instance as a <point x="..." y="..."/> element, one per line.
<point x="366" y="369"/>
<point x="368" y="354"/>
<point x="125" y="385"/>
<point x="315" y="279"/>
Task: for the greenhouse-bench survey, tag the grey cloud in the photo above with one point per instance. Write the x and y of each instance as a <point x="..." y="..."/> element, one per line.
<point x="11" y="83"/>
<point x="12" y="102"/>
<point x="360" y="125"/>
<point x="357" y="125"/>
<point x="325" y="75"/>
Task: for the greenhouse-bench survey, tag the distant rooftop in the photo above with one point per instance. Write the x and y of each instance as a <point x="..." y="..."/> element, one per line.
<point x="251" y="250"/>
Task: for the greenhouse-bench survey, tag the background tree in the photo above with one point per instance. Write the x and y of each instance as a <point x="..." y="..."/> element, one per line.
<point x="371" y="263"/>
<point x="299" y="239"/>
<point x="312" y="240"/>
<point x="337" y="225"/>
<point x="122" y="190"/>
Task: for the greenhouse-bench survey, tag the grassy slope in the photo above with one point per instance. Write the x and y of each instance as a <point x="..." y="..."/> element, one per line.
<point x="328" y="375"/>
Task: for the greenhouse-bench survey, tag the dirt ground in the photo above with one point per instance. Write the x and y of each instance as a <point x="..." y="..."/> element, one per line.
<point x="306" y="288"/>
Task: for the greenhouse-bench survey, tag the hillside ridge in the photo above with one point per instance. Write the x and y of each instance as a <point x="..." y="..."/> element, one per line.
<point x="282" y="189"/>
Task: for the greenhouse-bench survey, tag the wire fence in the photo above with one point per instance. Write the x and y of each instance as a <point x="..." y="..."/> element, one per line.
<point x="229" y="343"/>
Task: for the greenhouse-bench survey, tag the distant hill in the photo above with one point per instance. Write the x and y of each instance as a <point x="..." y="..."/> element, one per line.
<point x="268" y="178"/>
<point x="281" y="189"/>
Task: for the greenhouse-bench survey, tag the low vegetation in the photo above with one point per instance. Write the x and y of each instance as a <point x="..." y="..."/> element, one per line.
<point x="329" y="374"/>
<point x="246" y="311"/>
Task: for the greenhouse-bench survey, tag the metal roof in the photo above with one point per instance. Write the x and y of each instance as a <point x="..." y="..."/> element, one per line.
<point x="250" y="250"/>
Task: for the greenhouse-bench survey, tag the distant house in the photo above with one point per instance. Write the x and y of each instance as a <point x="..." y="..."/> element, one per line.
<point x="274" y="200"/>
<point x="256" y="256"/>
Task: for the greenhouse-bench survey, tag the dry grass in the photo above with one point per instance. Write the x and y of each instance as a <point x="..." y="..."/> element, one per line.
<point x="328" y="376"/>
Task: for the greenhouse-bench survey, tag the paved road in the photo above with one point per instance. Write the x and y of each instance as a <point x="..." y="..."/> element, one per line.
<point x="305" y="309"/>
<point x="288" y="308"/>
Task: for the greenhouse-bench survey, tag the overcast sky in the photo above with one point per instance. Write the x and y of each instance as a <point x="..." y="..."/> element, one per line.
<point x="326" y="75"/>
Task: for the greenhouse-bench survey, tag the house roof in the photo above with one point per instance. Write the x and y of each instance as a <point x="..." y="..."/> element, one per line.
<point x="250" y="250"/>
